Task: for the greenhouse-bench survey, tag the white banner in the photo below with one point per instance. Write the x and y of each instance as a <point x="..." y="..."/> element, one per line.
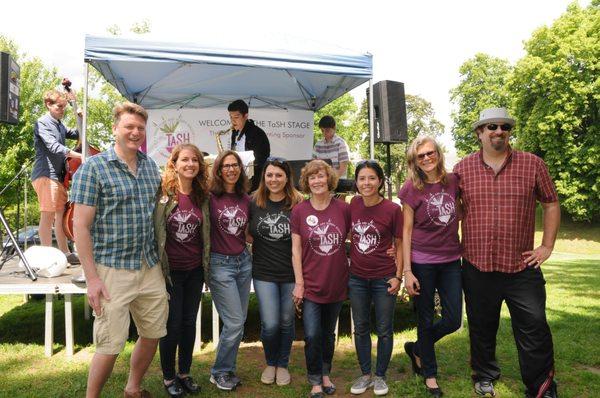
<point x="290" y="132"/>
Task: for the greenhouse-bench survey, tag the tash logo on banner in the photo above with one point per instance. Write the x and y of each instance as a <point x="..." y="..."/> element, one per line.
<point x="325" y="239"/>
<point x="171" y="132"/>
<point x="365" y="236"/>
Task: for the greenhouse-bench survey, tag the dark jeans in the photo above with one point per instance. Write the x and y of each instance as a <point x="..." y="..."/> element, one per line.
<point x="525" y="296"/>
<point x="185" y="296"/>
<point x="446" y="279"/>
<point x="362" y="293"/>
<point x="276" y="307"/>
<point x="319" y="338"/>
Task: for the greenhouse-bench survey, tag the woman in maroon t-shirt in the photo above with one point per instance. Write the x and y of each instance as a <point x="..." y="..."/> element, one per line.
<point x="431" y="251"/>
<point x="230" y="262"/>
<point x="319" y="229"/>
<point x="374" y="275"/>
<point x="183" y="236"/>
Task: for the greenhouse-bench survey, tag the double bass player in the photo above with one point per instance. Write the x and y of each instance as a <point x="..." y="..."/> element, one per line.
<point x="48" y="171"/>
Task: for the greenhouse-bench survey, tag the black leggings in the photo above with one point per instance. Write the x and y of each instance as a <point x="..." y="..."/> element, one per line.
<point x="184" y="301"/>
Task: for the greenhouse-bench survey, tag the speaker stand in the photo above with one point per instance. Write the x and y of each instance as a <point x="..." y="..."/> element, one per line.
<point x="388" y="172"/>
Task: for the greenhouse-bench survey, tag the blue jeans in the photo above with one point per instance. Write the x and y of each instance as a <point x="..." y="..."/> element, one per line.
<point x="230" y="278"/>
<point x="362" y="293"/>
<point x="446" y="278"/>
<point x="319" y="338"/>
<point x="276" y="320"/>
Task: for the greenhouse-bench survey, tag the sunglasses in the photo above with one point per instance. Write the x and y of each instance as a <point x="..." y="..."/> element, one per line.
<point x="276" y="160"/>
<point x="430" y="154"/>
<point x="494" y="127"/>
<point x="368" y="162"/>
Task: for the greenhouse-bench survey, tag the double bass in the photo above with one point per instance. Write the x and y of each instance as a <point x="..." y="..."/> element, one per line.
<point x="71" y="166"/>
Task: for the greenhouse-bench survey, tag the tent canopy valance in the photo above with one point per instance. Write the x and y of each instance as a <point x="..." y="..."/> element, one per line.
<point x="160" y="75"/>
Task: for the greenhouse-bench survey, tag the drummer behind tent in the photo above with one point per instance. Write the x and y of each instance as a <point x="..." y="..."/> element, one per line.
<point x="332" y="147"/>
<point x="247" y="136"/>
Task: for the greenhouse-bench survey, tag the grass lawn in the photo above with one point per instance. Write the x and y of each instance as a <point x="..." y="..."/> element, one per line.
<point x="573" y="281"/>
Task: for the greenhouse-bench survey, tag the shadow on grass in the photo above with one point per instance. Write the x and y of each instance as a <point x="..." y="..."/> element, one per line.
<point x="572" y="312"/>
<point x="25" y="323"/>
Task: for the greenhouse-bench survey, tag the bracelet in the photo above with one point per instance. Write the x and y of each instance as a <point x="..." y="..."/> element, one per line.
<point x="399" y="278"/>
<point x="408" y="270"/>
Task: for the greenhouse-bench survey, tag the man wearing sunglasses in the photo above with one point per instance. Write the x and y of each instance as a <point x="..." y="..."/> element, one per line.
<point x="500" y="188"/>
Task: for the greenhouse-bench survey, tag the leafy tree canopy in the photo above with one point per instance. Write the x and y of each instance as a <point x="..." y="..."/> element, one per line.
<point x="554" y="94"/>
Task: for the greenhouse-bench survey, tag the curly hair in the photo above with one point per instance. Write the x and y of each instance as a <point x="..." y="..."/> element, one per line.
<point x="217" y="185"/>
<point x="415" y="174"/>
<point x="292" y="196"/>
<point x="313" y="167"/>
<point x="170" y="181"/>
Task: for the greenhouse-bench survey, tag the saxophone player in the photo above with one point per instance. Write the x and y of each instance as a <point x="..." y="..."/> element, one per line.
<point x="247" y="136"/>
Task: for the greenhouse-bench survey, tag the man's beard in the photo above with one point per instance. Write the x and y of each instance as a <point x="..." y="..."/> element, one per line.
<point x="498" y="145"/>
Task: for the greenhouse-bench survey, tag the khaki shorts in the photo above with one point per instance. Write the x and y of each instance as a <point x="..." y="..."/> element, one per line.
<point x="143" y="294"/>
<point x="51" y="194"/>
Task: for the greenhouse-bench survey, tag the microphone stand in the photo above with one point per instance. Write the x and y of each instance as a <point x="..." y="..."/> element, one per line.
<point x="29" y="271"/>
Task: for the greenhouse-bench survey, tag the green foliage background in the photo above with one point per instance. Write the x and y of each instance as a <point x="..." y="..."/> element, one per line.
<point x="554" y="94"/>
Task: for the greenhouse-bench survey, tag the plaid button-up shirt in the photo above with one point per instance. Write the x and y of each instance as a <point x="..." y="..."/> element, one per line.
<point x="499" y="221"/>
<point x="123" y="229"/>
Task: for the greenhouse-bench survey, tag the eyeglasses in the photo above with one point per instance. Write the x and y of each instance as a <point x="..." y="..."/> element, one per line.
<point x="233" y="166"/>
<point x="430" y="154"/>
<point x="494" y="127"/>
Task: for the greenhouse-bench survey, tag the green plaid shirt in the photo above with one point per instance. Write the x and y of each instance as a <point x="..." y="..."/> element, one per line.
<point x="123" y="229"/>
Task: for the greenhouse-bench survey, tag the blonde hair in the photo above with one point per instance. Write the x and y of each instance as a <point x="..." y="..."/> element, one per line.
<point x="170" y="182"/>
<point x="313" y="167"/>
<point x="415" y="174"/>
<point x="131" y="108"/>
<point x="53" y="96"/>
<point x="292" y="196"/>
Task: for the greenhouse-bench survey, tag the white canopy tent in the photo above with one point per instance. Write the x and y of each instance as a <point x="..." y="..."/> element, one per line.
<point x="160" y="75"/>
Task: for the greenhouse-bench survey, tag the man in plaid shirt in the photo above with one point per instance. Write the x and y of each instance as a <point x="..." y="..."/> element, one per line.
<point x="499" y="191"/>
<point x="114" y="196"/>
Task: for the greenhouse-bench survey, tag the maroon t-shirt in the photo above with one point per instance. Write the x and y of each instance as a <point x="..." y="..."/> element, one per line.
<point x="324" y="261"/>
<point x="184" y="235"/>
<point x="228" y="218"/>
<point x="435" y="225"/>
<point x="372" y="234"/>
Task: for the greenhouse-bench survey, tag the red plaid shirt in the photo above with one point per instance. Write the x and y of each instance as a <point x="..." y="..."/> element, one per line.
<point x="499" y="221"/>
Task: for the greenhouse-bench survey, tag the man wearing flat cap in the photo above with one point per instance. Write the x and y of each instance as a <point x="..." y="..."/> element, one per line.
<point x="500" y="188"/>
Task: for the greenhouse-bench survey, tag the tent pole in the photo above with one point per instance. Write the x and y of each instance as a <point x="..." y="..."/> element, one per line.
<point x="371" y="121"/>
<point x="84" y="146"/>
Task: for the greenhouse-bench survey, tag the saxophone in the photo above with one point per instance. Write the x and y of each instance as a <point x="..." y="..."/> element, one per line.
<point x="218" y="135"/>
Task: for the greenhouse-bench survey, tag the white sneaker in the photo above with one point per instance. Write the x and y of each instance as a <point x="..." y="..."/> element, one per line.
<point x="380" y="386"/>
<point x="361" y="384"/>
<point x="268" y="375"/>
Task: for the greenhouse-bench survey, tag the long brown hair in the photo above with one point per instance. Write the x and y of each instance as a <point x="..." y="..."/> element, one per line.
<point x="170" y="182"/>
<point x="292" y="196"/>
<point x="217" y="185"/>
<point x="415" y="174"/>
